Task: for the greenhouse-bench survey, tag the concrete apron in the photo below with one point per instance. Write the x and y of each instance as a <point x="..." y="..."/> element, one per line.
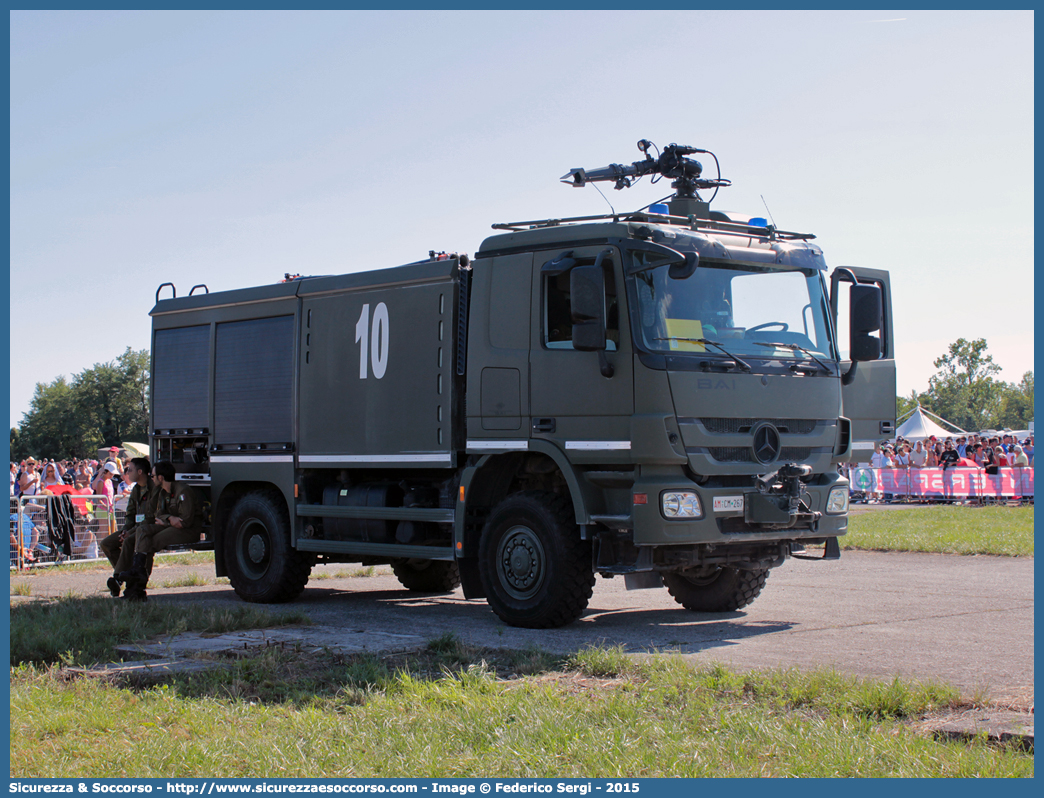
<point x="193" y="652"/>
<point x="310" y="639"/>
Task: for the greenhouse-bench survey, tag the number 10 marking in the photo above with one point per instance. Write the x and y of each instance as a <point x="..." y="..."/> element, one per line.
<point x="375" y="340"/>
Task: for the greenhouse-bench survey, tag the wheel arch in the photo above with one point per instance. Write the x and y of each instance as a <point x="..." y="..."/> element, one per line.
<point x="489" y="482"/>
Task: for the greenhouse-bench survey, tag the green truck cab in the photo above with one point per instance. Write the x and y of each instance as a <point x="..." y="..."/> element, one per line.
<point x="658" y="395"/>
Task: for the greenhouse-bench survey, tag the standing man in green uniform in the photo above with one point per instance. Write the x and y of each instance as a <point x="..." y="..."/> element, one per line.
<point x="178" y="520"/>
<point x="119" y="546"/>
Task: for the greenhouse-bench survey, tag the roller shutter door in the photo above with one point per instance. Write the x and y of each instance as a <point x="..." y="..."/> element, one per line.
<point x="253" y="386"/>
<point x="181" y="363"/>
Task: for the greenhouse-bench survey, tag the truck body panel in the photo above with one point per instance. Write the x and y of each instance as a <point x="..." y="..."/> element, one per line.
<point x="498" y="349"/>
<point x="380" y="351"/>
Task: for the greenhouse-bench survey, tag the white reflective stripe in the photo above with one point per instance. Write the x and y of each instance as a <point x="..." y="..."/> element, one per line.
<point x="862" y="444"/>
<point x="510" y="445"/>
<point x="598" y="445"/>
<point x="252" y="458"/>
<point x="376" y="458"/>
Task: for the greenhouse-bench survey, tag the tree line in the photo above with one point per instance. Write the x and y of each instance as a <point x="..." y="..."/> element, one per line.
<point x="102" y="406"/>
<point x="965" y="392"/>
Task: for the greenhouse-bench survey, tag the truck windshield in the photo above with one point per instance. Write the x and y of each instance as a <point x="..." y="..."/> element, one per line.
<point x="751" y="310"/>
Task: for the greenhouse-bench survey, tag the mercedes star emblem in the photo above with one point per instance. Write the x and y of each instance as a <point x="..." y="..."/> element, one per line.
<point x="766" y="444"/>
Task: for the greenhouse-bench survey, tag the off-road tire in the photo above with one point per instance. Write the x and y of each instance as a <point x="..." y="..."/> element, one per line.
<point x="427" y="576"/>
<point x="534" y="567"/>
<point x="262" y="566"/>
<point x="725" y="590"/>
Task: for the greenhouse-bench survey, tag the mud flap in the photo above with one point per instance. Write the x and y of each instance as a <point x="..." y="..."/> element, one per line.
<point x="831" y="551"/>
<point x="643" y="580"/>
<point x="470" y="582"/>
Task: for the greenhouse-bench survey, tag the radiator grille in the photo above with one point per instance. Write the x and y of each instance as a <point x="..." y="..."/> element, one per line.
<point x="731" y="454"/>
<point x="792" y="426"/>
<point x="742" y="454"/>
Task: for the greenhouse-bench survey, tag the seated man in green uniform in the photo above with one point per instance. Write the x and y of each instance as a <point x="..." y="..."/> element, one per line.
<point x="119" y="546"/>
<point x="178" y="520"/>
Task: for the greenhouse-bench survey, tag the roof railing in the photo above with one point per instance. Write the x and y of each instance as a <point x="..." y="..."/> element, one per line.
<point x="693" y="223"/>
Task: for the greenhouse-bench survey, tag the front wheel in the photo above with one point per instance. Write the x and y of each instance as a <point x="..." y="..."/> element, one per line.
<point x="262" y="565"/>
<point x="715" y="589"/>
<point x="427" y="576"/>
<point x="534" y="567"/>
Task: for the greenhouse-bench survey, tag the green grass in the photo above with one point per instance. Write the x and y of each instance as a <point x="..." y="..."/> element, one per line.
<point x="173" y="558"/>
<point x="84" y="631"/>
<point x="946" y="530"/>
<point x="354" y="573"/>
<point x="21" y="588"/>
<point x="186" y="580"/>
<point x="186" y="558"/>
<point x="601" y="661"/>
<point x="362" y="573"/>
<point x="456" y="711"/>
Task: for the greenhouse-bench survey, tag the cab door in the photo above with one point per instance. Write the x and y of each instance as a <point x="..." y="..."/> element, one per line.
<point x="868" y="401"/>
<point x="572" y="403"/>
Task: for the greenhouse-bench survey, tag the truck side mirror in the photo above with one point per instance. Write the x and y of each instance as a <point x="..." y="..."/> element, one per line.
<point x="865" y="316"/>
<point x="587" y="301"/>
<point x="685" y="269"/>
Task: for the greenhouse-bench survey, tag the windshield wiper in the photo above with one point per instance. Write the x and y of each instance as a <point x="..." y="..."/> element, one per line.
<point x="707" y="342"/>
<point x="796" y="348"/>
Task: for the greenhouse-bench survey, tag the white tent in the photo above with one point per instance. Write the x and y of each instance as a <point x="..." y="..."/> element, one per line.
<point x="921" y="425"/>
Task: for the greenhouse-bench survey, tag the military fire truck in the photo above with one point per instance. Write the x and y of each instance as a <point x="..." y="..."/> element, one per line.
<point x="662" y="395"/>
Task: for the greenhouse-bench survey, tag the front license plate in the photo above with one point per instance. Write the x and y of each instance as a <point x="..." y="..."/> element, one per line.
<point x="728" y="504"/>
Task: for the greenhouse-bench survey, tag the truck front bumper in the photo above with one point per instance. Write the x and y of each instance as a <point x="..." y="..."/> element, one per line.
<point x="731" y="522"/>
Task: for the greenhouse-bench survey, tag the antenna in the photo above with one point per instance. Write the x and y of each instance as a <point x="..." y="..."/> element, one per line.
<point x="607" y="202"/>
<point x="768" y="211"/>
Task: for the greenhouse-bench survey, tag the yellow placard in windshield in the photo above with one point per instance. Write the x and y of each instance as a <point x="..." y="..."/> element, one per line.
<point x="682" y="329"/>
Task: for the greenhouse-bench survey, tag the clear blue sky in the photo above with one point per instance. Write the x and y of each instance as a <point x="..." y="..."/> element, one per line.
<point x="228" y="148"/>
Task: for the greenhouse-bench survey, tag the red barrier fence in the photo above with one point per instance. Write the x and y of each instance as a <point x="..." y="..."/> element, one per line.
<point x="949" y="483"/>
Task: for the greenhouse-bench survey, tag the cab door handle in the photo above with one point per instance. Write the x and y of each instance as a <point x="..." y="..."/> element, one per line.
<point x="543" y="425"/>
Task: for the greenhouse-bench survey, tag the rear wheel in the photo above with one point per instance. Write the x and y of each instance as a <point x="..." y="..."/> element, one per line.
<point x="262" y="565"/>
<point x="427" y="576"/>
<point x="715" y="589"/>
<point x="534" y="567"/>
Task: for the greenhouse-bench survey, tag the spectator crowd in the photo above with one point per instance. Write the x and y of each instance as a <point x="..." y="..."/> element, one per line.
<point x="967" y="451"/>
<point x="109" y="480"/>
<point x="987" y="452"/>
<point x="68" y="508"/>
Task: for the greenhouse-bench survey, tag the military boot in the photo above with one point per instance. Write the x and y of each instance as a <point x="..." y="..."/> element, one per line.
<point x="138" y="576"/>
<point x="114" y="585"/>
<point x="135" y="593"/>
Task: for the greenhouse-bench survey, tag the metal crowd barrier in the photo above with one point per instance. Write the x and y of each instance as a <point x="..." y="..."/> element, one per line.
<point x="31" y="540"/>
<point x="938" y="484"/>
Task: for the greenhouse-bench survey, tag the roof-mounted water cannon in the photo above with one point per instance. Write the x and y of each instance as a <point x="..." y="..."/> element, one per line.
<point x="671" y="163"/>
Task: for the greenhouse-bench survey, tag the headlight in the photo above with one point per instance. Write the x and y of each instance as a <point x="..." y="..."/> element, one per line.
<point x="837" y="503"/>
<point x="681" y="504"/>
